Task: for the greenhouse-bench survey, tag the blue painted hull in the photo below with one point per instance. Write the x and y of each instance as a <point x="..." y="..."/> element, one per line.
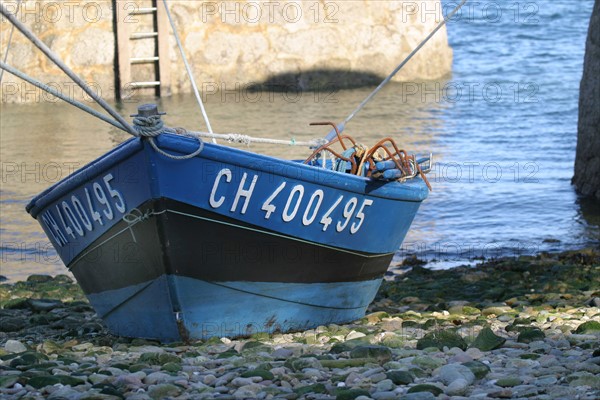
<point x="230" y="309"/>
<point x="227" y="243"/>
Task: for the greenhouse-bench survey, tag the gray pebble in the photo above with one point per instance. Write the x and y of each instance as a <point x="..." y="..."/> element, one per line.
<point x="451" y="372"/>
<point x="457" y="387"/>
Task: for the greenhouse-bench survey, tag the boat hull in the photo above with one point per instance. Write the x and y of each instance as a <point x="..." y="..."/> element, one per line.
<point x="227" y="243"/>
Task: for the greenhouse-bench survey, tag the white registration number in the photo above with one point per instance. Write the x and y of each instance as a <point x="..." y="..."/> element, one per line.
<point x="77" y="215"/>
<point x="299" y="204"/>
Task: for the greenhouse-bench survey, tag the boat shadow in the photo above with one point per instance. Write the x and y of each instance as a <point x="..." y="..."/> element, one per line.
<point x="317" y="80"/>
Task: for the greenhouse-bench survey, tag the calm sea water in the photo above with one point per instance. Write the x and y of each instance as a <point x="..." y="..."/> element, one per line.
<point x="502" y="128"/>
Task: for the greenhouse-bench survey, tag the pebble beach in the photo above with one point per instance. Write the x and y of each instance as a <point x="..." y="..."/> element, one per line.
<point x="512" y="328"/>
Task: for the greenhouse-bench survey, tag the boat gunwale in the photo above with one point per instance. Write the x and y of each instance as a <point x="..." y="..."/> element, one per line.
<point x="414" y="190"/>
<point x="411" y="191"/>
<point x="91" y="170"/>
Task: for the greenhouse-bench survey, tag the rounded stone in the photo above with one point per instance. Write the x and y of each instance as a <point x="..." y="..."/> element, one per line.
<point x="451" y="372"/>
<point x="458" y="387"/>
<point x="14" y="346"/>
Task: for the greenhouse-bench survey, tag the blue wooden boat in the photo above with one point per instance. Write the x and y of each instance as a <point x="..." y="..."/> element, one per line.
<point x="171" y="238"/>
<point x="225" y="243"/>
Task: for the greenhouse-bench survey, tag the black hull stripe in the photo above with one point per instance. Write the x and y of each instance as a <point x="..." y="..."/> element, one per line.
<point x="175" y="238"/>
<point x="266" y="232"/>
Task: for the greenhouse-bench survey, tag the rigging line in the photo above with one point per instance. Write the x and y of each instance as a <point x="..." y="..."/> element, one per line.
<point x="189" y="70"/>
<point x="279" y="298"/>
<point x="126" y="300"/>
<point x="54" y="92"/>
<point x="56" y="60"/>
<point x="247" y="140"/>
<point x="12" y="29"/>
<point x="342" y="125"/>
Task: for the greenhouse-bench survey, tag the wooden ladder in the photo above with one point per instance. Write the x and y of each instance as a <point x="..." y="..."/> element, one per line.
<point x="142" y="27"/>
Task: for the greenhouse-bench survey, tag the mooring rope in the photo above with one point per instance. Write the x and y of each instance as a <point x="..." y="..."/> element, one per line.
<point x="10" y="35"/>
<point x="245" y="139"/>
<point x="152" y="126"/>
<point x="342" y="125"/>
<point x="56" y="60"/>
<point x="54" y="92"/>
<point x="188" y="69"/>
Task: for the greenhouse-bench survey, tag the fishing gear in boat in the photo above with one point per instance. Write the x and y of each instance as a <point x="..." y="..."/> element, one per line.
<point x="378" y="162"/>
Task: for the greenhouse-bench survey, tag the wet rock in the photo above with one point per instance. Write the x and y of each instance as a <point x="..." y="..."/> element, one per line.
<point x="441" y="339"/>
<point x="163" y="391"/>
<point x="380" y="353"/>
<point x="399" y="377"/>
<point x="392" y="325"/>
<point x="172" y="367"/>
<point x="589" y="327"/>
<point x="264" y="374"/>
<point x="317" y="388"/>
<point x="428" y="362"/>
<point x="27" y="359"/>
<point x="8" y="381"/>
<point x="451" y="372"/>
<point x="14" y="346"/>
<point x="39" y="305"/>
<point x="385" y="385"/>
<point x="479" y="369"/>
<point x="350" y="394"/>
<point x="474" y="353"/>
<point x="355" y="335"/>
<point x="530" y="334"/>
<point x="12" y="324"/>
<point x="282" y="354"/>
<point x="39" y="382"/>
<point x="298" y="364"/>
<point x="592" y="381"/>
<point x="418" y="396"/>
<point x="39" y="278"/>
<point x="157" y="377"/>
<point x="457" y="387"/>
<point x="380" y="396"/>
<point x="509" y="382"/>
<point x="497" y="310"/>
<point x="487" y="340"/>
<point x="501" y="394"/>
<point x="436" y="391"/>
<point x="65" y="393"/>
<point x="247" y="392"/>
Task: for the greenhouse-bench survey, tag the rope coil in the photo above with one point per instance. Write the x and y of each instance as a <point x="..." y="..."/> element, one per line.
<point x="151" y="126"/>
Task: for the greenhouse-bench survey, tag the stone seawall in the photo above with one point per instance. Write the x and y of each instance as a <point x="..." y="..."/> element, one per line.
<point x="231" y="44"/>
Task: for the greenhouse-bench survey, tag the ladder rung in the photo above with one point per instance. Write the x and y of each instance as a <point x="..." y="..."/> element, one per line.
<point x="142" y="10"/>
<point x="144" y="84"/>
<point x="143" y="35"/>
<point x="143" y="60"/>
